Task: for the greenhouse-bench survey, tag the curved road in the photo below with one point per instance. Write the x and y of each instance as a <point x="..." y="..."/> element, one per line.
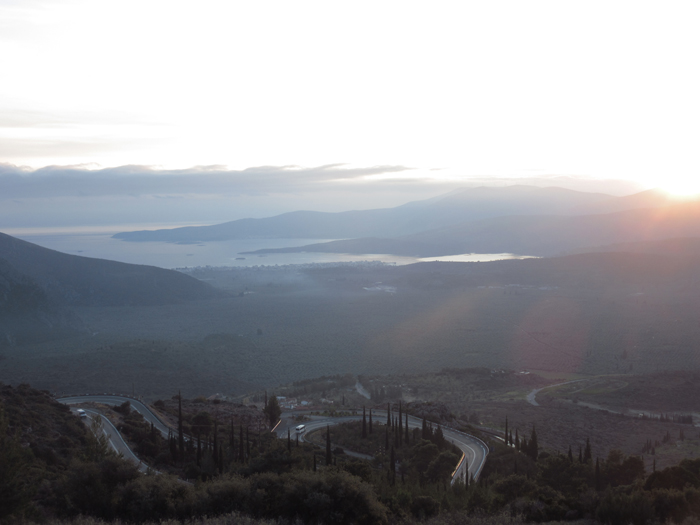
<point x="531" y="396"/>
<point x="474" y="450"/>
<point x="115" y="438"/>
<point x="113" y="400"/>
<point x="116" y="441"/>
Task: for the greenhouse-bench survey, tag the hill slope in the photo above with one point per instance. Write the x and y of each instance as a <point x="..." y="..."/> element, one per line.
<point x="27" y="314"/>
<point x="75" y="280"/>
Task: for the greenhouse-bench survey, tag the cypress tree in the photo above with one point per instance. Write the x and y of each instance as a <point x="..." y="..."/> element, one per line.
<point x="571" y="456"/>
<point x="221" y="460"/>
<point x="386" y="438"/>
<point x="534" y="449"/>
<point x="329" y="458"/>
<point x="388" y="414"/>
<point x="314" y="461"/>
<point x="247" y="442"/>
<point x="580" y="455"/>
<point x="289" y="441"/>
<point x="597" y="475"/>
<point x="199" y="450"/>
<point x="406" y="429"/>
<point x="506" y="432"/>
<point x="215" y="453"/>
<point x="370" y="420"/>
<point x="424" y="429"/>
<point x="517" y="441"/>
<point x="241" y="450"/>
<point x="297" y="441"/>
<point x="587" y="456"/>
<point x="232" y="439"/>
<point x="392" y="466"/>
<point x="364" y="424"/>
<point x="180" y="437"/>
<point x="396" y="438"/>
<point x="653" y="467"/>
<point x="172" y="442"/>
<point x="439" y="437"/>
<point x="400" y="425"/>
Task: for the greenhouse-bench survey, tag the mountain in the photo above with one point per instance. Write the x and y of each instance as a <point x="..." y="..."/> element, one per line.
<point x="27" y="314"/>
<point x="541" y="235"/>
<point x="46" y="275"/>
<point x="452" y="208"/>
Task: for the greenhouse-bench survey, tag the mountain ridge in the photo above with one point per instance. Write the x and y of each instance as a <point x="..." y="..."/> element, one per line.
<point x="413" y="217"/>
<point x="537" y="235"/>
<point x="83" y="281"/>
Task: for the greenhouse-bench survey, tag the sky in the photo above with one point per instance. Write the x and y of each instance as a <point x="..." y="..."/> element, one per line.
<point x="165" y="111"/>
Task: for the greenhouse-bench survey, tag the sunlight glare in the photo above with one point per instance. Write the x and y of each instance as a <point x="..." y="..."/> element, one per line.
<point x="683" y="187"/>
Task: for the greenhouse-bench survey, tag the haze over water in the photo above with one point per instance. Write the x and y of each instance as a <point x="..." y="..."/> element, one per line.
<point x="220" y="253"/>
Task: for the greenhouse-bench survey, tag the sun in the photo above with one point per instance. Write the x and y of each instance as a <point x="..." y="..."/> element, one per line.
<point x="684" y="187"/>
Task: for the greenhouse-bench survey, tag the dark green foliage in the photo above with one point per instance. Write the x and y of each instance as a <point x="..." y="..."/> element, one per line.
<point x="124" y="408"/>
<point x="180" y="435"/>
<point x="587" y="454"/>
<point x="620" y="470"/>
<point x="329" y="456"/>
<point x="424" y="507"/>
<point x="678" y="477"/>
<point x="513" y="487"/>
<point x="202" y="424"/>
<point x="148" y="443"/>
<point x="14" y="488"/>
<point x="562" y="475"/>
<point x="272" y="410"/>
<point x="532" y="448"/>
<point x="364" y="424"/>
<point x="618" y="507"/>
<point x="440" y="469"/>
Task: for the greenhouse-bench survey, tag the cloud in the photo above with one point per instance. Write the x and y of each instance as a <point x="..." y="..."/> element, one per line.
<point x="133" y="180"/>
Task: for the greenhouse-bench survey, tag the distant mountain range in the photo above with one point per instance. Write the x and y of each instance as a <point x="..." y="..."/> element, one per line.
<point x="526" y="220"/>
<point x="536" y="235"/>
<point x="446" y="210"/>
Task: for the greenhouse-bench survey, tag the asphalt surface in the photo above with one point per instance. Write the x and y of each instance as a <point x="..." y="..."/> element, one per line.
<point x="118" y="400"/>
<point x="116" y="441"/>
<point x="531" y="397"/>
<point x="474" y="450"/>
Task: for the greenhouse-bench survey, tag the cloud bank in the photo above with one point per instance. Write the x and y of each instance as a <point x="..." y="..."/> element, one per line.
<point x="80" y="197"/>
<point x="57" y="181"/>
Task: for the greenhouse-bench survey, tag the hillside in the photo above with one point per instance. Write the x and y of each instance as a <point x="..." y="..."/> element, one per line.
<point x="688" y="246"/>
<point x="27" y="314"/>
<point x="74" y="280"/>
<point x="449" y="209"/>
<point x="541" y="235"/>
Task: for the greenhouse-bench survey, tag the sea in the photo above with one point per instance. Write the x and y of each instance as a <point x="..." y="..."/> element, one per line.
<point x="102" y="245"/>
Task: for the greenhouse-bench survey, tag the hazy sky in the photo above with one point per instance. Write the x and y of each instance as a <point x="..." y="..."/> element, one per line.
<point x="430" y="91"/>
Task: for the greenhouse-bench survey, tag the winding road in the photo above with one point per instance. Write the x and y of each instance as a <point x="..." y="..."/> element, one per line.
<point x="531" y="397"/>
<point x="473" y="449"/>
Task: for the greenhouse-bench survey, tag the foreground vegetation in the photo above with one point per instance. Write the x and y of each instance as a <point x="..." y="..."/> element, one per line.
<point x="53" y="468"/>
